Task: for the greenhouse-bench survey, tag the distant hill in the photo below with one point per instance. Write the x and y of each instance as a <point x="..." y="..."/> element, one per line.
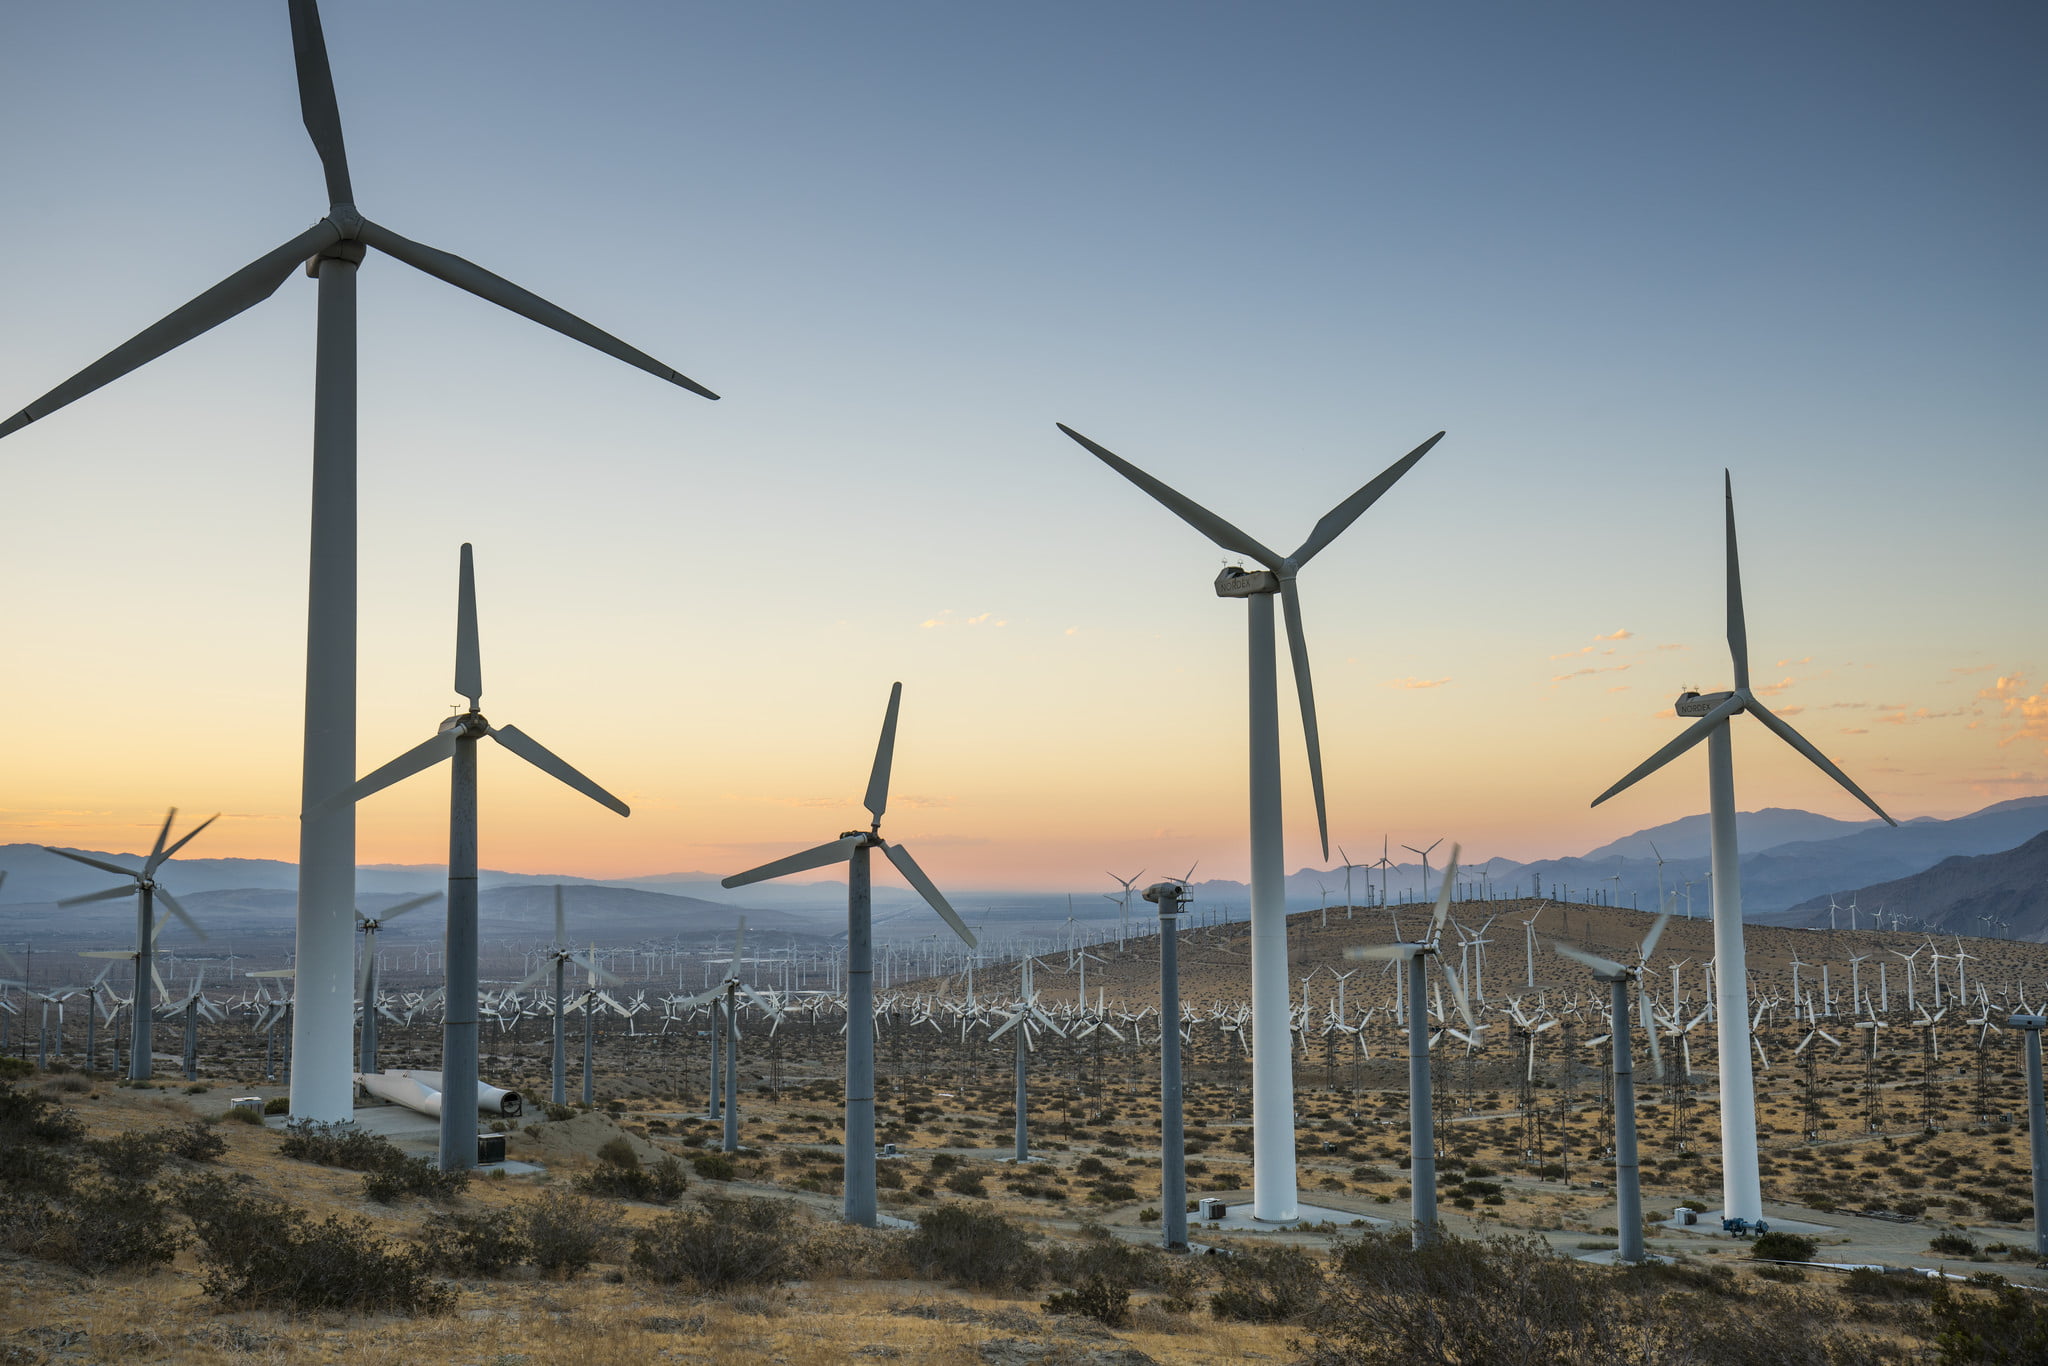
<point x="1755" y="831"/>
<point x="1957" y="894"/>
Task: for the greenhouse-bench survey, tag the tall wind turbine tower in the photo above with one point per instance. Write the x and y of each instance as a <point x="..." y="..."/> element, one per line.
<point x="324" y="1021"/>
<point x="1273" y="1168"/>
<point x="1741" y="1183"/>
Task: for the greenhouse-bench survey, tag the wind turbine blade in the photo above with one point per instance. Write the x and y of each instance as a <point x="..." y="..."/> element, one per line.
<point x="1378" y="951"/>
<point x="156" y="850"/>
<point x="1738" y="629"/>
<point x="171" y="904"/>
<point x="739" y="940"/>
<point x="363" y="972"/>
<point x="1650" y="940"/>
<point x="1005" y="1028"/>
<point x="1182" y="506"/>
<point x="316" y="98"/>
<point x="914" y="875"/>
<point x="1458" y="994"/>
<point x="1605" y="966"/>
<point x="107" y="895"/>
<point x="1340" y="517"/>
<point x="469" y="663"/>
<point x="418" y="759"/>
<point x="838" y="851"/>
<point x="1443" y="897"/>
<point x="1819" y="760"/>
<point x="1690" y="736"/>
<point x="116" y="869"/>
<point x="544" y="759"/>
<point x="247" y="287"/>
<point x="877" y="800"/>
<point x="404" y="906"/>
<point x="467" y="275"/>
<point x="561" y="920"/>
<point x="163" y="856"/>
<point x="1297" y="649"/>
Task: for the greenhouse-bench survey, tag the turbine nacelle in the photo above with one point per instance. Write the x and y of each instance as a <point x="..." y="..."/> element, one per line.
<point x="1692" y="704"/>
<point x="1235" y="582"/>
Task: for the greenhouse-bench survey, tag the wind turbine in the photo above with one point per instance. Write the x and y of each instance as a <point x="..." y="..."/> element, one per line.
<point x="366" y="977"/>
<point x="457" y="740"/>
<point x="853" y="849"/>
<point x="147" y="893"/>
<point x="1421" y="1117"/>
<point x="1741" y="1182"/>
<point x="1273" y="1164"/>
<point x="330" y="250"/>
<point x="1628" y="1189"/>
<point x="1425" y="863"/>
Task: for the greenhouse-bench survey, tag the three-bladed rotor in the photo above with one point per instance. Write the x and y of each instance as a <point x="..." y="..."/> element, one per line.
<point x="1716" y="709"/>
<point x="876" y="800"/>
<point x="1278" y="575"/>
<point x="143" y="879"/>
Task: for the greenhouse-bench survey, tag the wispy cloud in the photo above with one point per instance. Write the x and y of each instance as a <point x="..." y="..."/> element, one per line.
<point x="1793" y="663"/>
<point x="1581" y="673"/>
<point x="2023" y="713"/>
<point x="1674" y="647"/>
<point x="1623" y="634"/>
<point x="949" y="617"/>
<point x="1416" y="683"/>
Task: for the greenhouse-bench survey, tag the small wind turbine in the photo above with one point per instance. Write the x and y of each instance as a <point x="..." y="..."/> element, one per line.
<point x="367" y="988"/>
<point x="1425" y="864"/>
<point x="147" y="893"/>
<point x="1627" y="1173"/>
<point x="1273" y="1163"/>
<point x="1742" y="1187"/>
<point x="457" y="740"/>
<point x="853" y="849"/>
<point x="1421" y="1118"/>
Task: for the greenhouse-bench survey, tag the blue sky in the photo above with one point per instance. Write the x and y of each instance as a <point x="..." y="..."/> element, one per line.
<point x="1261" y="251"/>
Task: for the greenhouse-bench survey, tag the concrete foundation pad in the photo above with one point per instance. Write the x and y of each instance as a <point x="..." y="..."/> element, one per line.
<point x="1710" y="1223"/>
<point x="1612" y="1257"/>
<point x="1238" y="1219"/>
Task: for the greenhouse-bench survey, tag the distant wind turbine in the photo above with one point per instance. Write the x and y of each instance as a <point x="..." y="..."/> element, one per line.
<point x="146" y="893"/>
<point x="457" y="740"/>
<point x="853" y="849"/>
<point x="1273" y="1164"/>
<point x="1741" y="1182"/>
<point x="330" y="250"/>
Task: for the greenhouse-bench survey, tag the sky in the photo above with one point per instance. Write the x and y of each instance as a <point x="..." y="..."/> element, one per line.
<point x="1260" y="251"/>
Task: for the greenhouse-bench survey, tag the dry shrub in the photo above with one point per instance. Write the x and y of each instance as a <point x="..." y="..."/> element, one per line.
<point x="567" y="1233"/>
<point x="1512" y="1300"/>
<point x="1267" y="1285"/>
<point x="260" y="1252"/>
<point x="729" y="1242"/>
<point x="486" y="1243"/>
<point x="974" y="1246"/>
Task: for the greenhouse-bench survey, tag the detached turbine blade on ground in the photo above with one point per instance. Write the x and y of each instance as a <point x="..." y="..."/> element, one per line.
<point x="243" y="290"/>
<point x="838" y="851"/>
<point x="1182" y="506"/>
<point x="467" y="275"/>
<point x="548" y="762"/>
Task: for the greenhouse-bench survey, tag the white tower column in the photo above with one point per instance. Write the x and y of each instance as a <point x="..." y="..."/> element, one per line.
<point x="1273" y="1171"/>
<point x="1741" y="1185"/>
<point x="322" y="1082"/>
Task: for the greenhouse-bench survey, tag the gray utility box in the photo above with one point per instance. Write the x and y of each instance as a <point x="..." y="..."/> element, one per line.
<point x="490" y="1148"/>
<point x="1213" y="1209"/>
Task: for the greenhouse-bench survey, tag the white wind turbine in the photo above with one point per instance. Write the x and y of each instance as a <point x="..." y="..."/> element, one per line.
<point x="1273" y="1164"/>
<point x="1627" y="1171"/>
<point x="853" y="849"/>
<point x="1741" y="1183"/>
<point x="457" y="740"/>
<point x="1425" y="853"/>
<point x="367" y="988"/>
<point x="1411" y="959"/>
<point x="146" y="893"/>
<point x="330" y="250"/>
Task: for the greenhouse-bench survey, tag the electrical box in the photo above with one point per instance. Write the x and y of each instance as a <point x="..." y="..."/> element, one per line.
<point x="253" y="1104"/>
<point x="1213" y="1209"/>
<point x="1688" y="1215"/>
<point x="490" y="1148"/>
